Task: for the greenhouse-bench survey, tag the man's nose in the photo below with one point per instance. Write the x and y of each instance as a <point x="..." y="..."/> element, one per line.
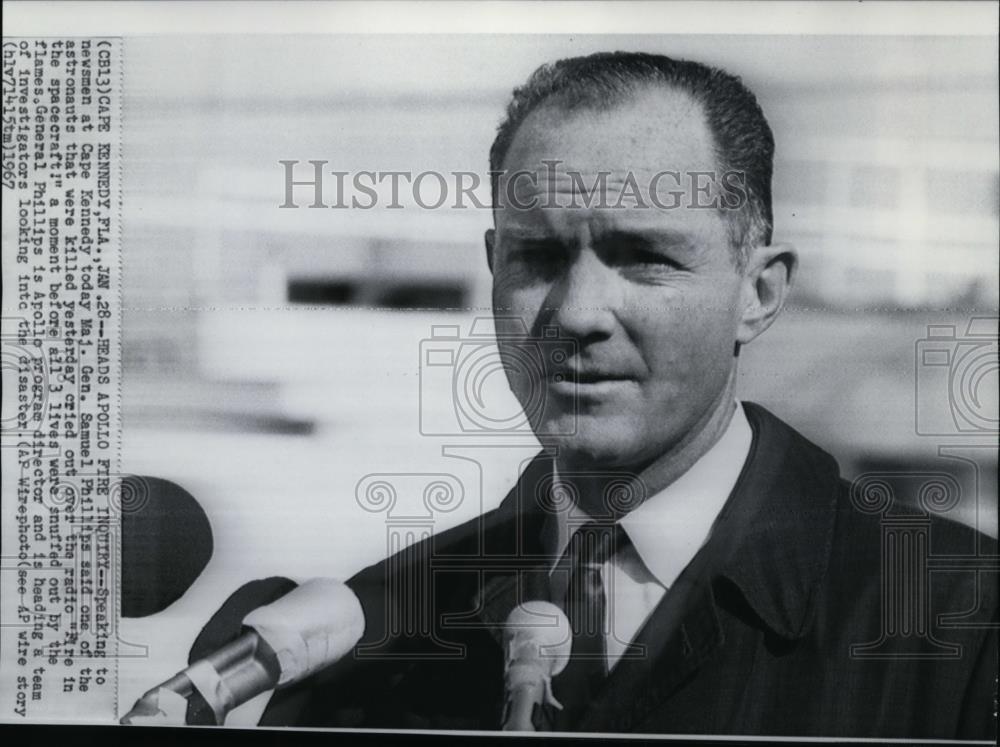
<point x="585" y="300"/>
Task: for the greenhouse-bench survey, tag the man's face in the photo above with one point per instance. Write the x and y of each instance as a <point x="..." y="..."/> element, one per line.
<point x="649" y="295"/>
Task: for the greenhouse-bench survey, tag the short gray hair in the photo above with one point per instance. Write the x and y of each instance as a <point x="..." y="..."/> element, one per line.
<point x="743" y="138"/>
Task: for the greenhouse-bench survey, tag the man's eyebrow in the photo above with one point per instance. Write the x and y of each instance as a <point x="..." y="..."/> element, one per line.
<point x="646" y="237"/>
<point x="651" y="237"/>
<point x="526" y="233"/>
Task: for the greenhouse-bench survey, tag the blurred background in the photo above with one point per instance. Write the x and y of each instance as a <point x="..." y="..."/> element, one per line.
<point x="273" y="356"/>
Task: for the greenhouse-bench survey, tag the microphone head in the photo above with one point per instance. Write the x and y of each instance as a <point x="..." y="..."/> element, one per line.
<point x="166" y="544"/>
<point x="310" y="628"/>
<point x="540" y="631"/>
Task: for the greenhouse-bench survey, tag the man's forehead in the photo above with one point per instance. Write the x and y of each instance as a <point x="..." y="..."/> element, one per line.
<point x="541" y="221"/>
<point x="650" y="130"/>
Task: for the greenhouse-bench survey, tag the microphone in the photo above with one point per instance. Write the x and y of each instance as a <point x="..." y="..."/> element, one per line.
<point x="157" y="518"/>
<point x="537" y="641"/>
<point x="304" y="631"/>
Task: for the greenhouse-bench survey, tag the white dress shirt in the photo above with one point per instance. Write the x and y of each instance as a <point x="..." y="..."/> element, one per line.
<point x="665" y="533"/>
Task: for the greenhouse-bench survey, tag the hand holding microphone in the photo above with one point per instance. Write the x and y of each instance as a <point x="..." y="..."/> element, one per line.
<point x="537" y="643"/>
<point x="306" y="630"/>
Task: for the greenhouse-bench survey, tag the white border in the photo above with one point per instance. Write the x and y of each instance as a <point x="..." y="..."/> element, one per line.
<point x="158" y="17"/>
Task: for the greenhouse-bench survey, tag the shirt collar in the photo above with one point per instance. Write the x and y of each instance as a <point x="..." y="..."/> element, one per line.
<point x="669" y="527"/>
<point x="771" y="542"/>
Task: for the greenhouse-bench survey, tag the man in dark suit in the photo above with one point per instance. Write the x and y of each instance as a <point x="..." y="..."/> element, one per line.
<point x="739" y="587"/>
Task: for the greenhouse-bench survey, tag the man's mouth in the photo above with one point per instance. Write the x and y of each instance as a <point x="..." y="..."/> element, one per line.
<point x="588" y="376"/>
<point x="587" y="381"/>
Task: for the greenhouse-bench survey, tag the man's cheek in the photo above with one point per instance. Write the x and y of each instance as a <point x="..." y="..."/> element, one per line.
<point x="522" y="302"/>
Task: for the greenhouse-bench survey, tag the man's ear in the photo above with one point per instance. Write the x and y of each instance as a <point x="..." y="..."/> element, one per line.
<point x="766" y="284"/>
<point x="490" y="239"/>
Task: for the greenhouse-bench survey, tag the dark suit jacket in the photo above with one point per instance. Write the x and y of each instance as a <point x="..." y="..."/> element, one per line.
<point x="808" y="613"/>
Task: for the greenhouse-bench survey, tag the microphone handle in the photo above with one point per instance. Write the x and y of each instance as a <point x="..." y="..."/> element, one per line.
<point x="521" y="706"/>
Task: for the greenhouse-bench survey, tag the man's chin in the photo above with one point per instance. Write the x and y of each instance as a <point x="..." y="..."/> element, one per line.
<point x="588" y="445"/>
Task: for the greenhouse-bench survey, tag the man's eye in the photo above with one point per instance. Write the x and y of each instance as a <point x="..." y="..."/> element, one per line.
<point x="635" y="256"/>
<point x="539" y="253"/>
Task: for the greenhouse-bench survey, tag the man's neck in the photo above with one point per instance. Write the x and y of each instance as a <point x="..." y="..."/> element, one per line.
<point x="622" y="489"/>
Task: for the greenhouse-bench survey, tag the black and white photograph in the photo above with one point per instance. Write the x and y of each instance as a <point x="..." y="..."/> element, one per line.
<point x="502" y="369"/>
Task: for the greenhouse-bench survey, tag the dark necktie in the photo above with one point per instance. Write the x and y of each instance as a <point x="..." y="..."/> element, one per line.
<point x="585" y="606"/>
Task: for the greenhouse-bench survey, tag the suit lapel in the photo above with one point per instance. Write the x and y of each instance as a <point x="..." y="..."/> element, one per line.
<point x="771" y="542"/>
<point x="515" y="566"/>
<point x="682" y="632"/>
